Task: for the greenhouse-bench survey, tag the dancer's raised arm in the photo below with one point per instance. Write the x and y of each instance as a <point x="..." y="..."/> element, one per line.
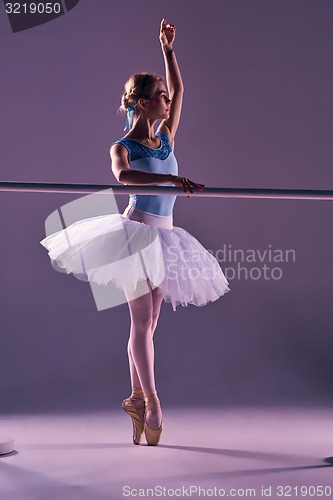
<point x="173" y="79"/>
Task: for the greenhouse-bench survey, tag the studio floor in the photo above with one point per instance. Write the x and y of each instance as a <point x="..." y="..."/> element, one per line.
<point x="235" y="452"/>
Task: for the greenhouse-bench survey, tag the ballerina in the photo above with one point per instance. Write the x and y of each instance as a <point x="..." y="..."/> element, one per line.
<point x="139" y="158"/>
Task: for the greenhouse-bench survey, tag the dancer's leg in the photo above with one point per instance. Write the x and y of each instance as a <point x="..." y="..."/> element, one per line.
<point x="137" y="395"/>
<point x="140" y="341"/>
<point x="157" y="302"/>
<point x="139" y="352"/>
<point x="154" y="417"/>
<point x="144" y="313"/>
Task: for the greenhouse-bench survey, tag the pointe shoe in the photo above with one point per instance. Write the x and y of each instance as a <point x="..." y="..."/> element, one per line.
<point x="152" y="435"/>
<point x="138" y="423"/>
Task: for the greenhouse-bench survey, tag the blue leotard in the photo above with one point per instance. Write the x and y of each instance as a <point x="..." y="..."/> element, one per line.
<point x="162" y="161"/>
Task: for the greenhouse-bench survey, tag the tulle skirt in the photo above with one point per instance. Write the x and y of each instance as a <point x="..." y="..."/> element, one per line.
<point x="130" y="248"/>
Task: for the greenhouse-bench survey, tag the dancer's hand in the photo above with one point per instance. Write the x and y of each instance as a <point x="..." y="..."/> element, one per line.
<point x="167" y="34"/>
<point x="186" y="184"/>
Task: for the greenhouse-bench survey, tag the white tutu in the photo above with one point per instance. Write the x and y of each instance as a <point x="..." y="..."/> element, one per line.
<point x="115" y="248"/>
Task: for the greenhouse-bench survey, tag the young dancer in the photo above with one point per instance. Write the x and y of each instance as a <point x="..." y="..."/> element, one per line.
<point x="191" y="274"/>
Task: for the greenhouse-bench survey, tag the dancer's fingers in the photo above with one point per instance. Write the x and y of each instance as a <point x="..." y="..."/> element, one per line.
<point x="188" y="184"/>
<point x="185" y="185"/>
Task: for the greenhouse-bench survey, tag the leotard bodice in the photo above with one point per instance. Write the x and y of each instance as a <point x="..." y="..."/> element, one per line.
<point x="162" y="161"/>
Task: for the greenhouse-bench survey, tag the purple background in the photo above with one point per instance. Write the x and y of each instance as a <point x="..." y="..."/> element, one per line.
<point x="257" y="113"/>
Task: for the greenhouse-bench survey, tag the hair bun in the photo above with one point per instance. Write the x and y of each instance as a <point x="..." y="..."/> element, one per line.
<point x="139" y="85"/>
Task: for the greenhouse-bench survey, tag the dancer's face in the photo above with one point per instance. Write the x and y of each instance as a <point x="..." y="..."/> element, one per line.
<point x="159" y="103"/>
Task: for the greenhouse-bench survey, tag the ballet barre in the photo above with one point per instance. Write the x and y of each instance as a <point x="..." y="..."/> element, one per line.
<point x="207" y="192"/>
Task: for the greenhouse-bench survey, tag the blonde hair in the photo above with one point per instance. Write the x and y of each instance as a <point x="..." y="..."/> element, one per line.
<point x="139" y="86"/>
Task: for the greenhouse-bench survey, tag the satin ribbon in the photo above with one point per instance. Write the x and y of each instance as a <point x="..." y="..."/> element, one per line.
<point x="129" y="117"/>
